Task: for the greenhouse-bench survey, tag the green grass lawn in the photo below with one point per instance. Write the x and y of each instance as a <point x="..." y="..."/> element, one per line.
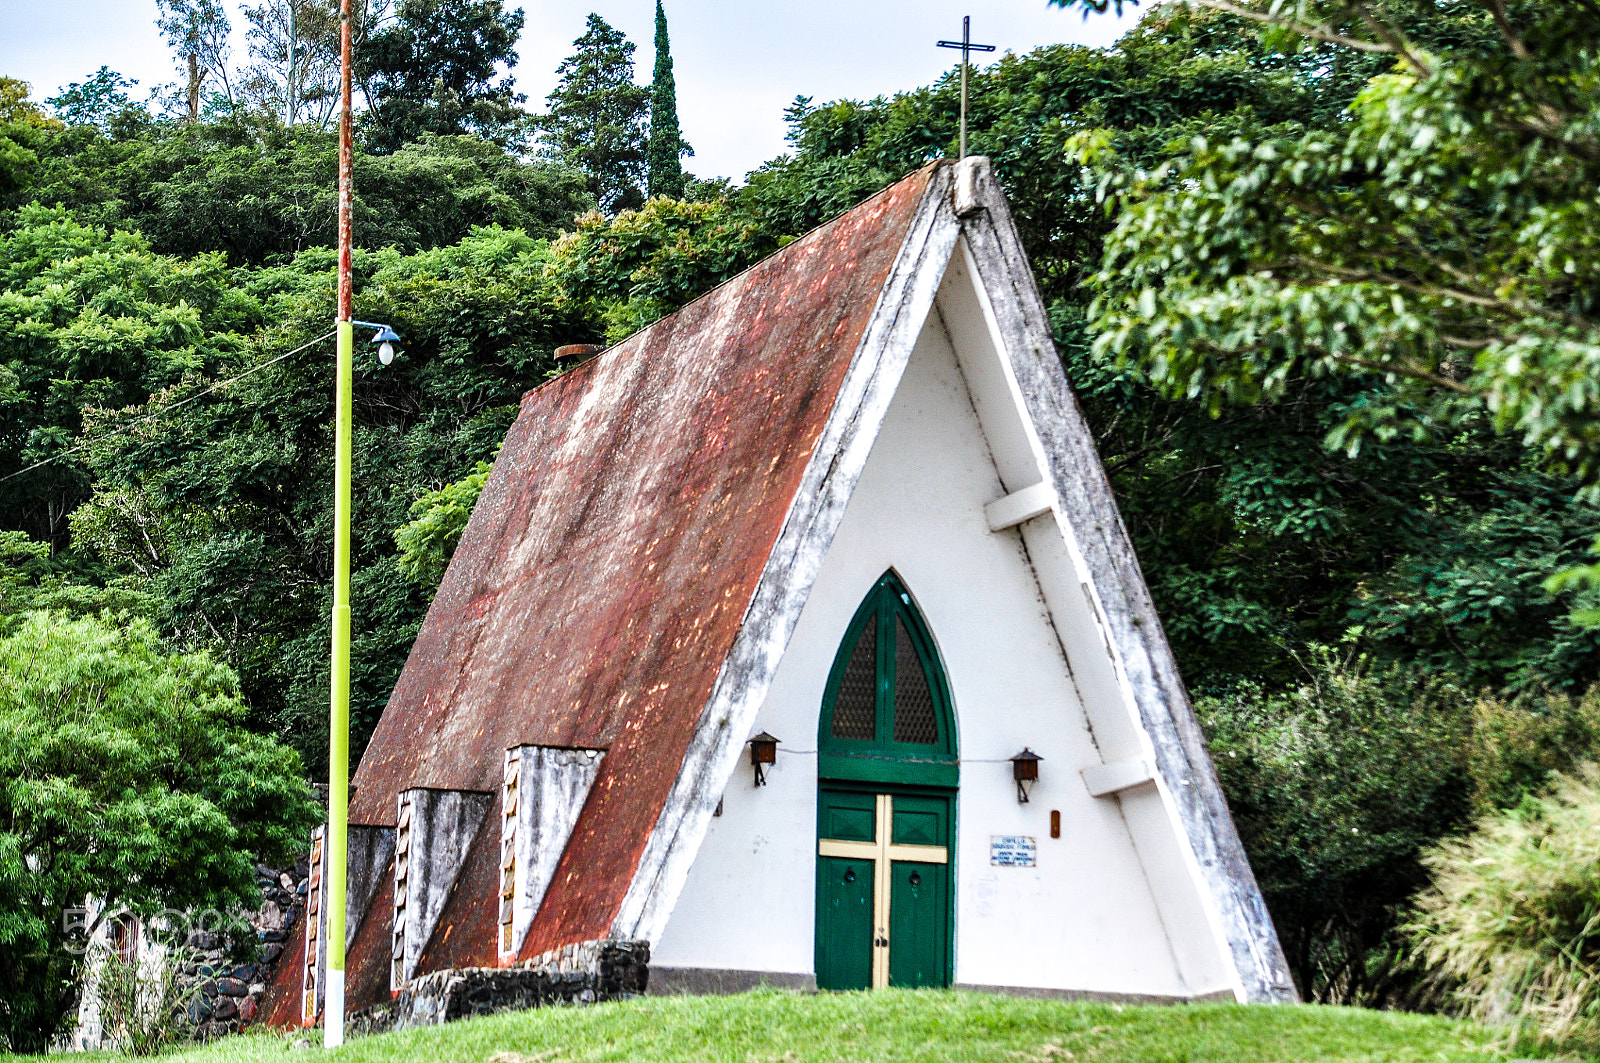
<point x="923" y="1026"/>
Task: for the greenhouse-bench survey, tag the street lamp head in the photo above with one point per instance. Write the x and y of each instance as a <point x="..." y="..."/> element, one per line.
<point x="385" y="337"/>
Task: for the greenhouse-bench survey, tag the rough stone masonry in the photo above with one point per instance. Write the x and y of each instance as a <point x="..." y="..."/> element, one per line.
<point x="585" y="973"/>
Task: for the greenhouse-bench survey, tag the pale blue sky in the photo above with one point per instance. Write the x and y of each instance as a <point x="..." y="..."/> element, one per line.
<point x="738" y="64"/>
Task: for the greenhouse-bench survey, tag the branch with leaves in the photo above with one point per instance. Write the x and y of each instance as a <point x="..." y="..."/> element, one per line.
<point x="1445" y="243"/>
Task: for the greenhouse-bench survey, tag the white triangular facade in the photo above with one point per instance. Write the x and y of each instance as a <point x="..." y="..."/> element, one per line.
<point x="956" y="457"/>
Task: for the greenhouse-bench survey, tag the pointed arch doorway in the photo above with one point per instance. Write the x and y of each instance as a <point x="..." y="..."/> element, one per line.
<point x="887" y="775"/>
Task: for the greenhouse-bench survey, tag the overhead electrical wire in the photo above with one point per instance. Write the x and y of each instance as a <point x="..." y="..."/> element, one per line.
<point x="903" y="760"/>
<point x="168" y="409"/>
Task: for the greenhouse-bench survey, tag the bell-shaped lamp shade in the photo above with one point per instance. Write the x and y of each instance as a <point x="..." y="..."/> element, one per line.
<point x="384" y="336"/>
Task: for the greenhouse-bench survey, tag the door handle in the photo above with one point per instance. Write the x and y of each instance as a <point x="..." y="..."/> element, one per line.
<point x="881" y="943"/>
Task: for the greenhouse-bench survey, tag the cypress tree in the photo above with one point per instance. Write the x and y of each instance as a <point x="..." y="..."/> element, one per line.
<point x="667" y="146"/>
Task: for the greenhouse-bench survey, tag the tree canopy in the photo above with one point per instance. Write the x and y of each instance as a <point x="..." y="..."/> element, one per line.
<point x="667" y="146"/>
<point x="197" y="31"/>
<point x="98" y="100"/>
<point x="435" y="69"/>
<point x="598" y="116"/>
<point x="1441" y="239"/>
<point x="126" y="775"/>
<point x="295" y="45"/>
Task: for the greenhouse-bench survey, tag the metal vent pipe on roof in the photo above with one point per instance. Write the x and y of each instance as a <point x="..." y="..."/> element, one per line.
<point x="577" y="353"/>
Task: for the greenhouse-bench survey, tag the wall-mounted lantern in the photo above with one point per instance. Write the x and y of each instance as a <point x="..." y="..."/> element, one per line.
<point x="1025" y="769"/>
<point x="763" y="751"/>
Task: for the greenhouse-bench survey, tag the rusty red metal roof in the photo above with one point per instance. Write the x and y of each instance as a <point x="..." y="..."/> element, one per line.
<point x="607" y="567"/>
<point x="279" y="1007"/>
<point x="367" y="962"/>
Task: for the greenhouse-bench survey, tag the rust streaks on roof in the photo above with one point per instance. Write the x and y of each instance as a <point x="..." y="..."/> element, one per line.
<point x="607" y="567"/>
<point x="367" y="970"/>
<point x="465" y="934"/>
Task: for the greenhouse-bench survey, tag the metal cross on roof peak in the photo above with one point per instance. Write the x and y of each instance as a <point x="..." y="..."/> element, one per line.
<point x="967" y="47"/>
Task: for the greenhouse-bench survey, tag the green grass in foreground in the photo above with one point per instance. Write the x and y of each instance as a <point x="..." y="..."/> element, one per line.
<point x="924" y="1026"/>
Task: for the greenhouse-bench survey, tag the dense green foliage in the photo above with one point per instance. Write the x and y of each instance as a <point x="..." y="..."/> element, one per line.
<point x="598" y="117"/>
<point x="623" y="273"/>
<point x="1441" y="240"/>
<point x="224" y="505"/>
<point x="435" y="69"/>
<point x="22" y="126"/>
<point x="1338" y="786"/>
<point x="92" y="318"/>
<point x="665" y="152"/>
<point x="125" y="774"/>
<point x="260" y="193"/>
<point x="429" y="540"/>
<point x="32" y="580"/>
<point x="1431" y="253"/>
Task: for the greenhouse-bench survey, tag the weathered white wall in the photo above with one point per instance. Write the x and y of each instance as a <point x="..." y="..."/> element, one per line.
<point x="552" y="785"/>
<point x="1085" y="918"/>
<point x="443" y="825"/>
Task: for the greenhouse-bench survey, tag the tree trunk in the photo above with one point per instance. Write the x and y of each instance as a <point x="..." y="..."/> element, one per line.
<point x="196" y="76"/>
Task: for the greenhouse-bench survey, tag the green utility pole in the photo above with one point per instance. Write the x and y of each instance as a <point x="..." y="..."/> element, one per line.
<point x="334" y="853"/>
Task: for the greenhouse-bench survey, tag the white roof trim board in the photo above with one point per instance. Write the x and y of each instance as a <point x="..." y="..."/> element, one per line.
<point x="963" y="223"/>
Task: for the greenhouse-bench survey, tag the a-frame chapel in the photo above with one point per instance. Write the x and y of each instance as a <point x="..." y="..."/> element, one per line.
<point x="845" y="499"/>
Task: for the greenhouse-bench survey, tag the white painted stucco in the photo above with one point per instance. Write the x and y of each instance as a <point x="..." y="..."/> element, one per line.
<point x="1085" y="918"/>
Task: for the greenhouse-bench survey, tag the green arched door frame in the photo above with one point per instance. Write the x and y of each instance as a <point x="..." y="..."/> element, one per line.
<point x="885" y="912"/>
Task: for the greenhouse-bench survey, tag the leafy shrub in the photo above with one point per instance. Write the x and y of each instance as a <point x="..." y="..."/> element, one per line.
<point x="429" y="541"/>
<point x="633" y="269"/>
<point x="1340" y="785"/>
<point x="126" y="774"/>
<point x="1514" y="913"/>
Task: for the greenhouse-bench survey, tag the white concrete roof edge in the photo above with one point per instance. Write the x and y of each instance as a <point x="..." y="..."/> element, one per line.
<point x="1089" y="516"/>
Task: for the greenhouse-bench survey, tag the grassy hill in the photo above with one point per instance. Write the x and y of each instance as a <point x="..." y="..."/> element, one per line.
<point x="895" y="1025"/>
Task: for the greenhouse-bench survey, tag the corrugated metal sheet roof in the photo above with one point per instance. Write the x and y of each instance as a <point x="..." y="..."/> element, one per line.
<point x="608" y="564"/>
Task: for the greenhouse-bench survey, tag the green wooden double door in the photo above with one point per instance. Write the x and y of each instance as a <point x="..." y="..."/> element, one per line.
<point x="888" y="773"/>
<point x="884" y="903"/>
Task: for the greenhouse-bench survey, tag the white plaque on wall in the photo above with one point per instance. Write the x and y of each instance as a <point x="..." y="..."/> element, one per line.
<point x="1012" y="850"/>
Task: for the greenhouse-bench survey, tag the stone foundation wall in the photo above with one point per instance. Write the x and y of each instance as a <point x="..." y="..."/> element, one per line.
<point x="229" y="993"/>
<point x="585" y="973"/>
<point x="223" y="990"/>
